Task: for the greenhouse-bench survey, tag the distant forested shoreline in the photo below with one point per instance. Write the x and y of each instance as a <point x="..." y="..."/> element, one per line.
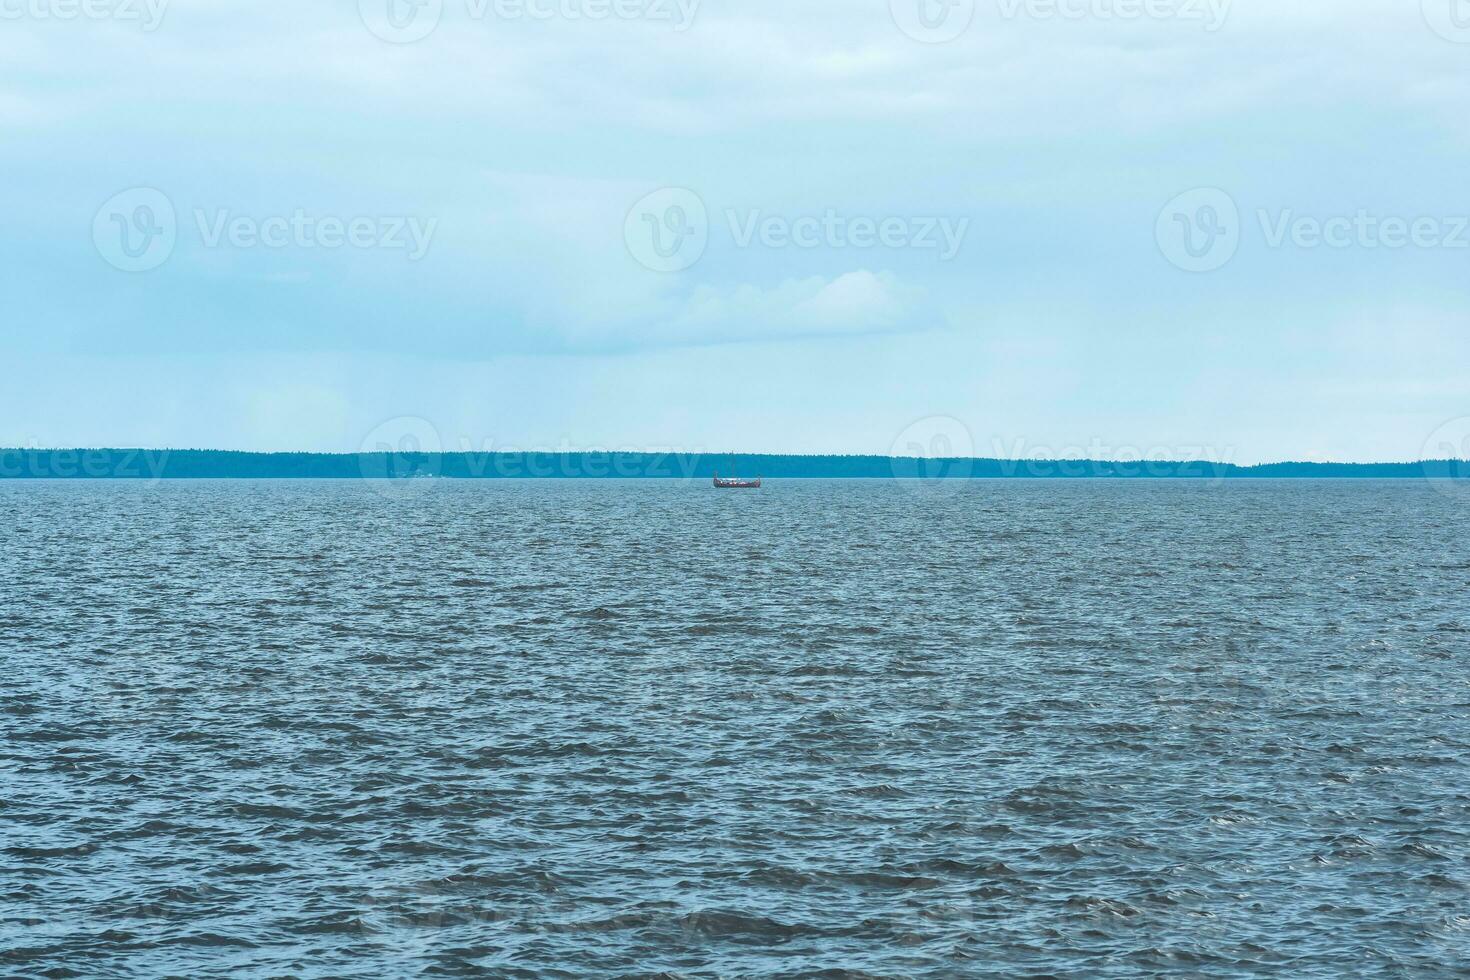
<point x="205" y="464"/>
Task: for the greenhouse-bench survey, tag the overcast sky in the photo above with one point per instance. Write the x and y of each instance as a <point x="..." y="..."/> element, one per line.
<point x="1181" y="227"/>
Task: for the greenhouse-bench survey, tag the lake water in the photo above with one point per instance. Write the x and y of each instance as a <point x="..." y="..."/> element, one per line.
<point x="601" y="729"/>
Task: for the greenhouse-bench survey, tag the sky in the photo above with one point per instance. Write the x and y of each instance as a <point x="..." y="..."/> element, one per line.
<point x="1115" y="228"/>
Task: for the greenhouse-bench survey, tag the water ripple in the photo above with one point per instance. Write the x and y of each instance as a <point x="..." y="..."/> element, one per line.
<point x="826" y="730"/>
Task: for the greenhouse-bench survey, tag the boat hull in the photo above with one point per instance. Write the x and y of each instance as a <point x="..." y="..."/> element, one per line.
<point x="737" y="484"/>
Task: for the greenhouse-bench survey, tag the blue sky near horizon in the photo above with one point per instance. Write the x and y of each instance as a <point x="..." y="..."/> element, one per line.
<point x="1048" y="145"/>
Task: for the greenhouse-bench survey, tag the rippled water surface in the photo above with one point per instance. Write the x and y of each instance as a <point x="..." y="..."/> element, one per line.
<point x="606" y="729"/>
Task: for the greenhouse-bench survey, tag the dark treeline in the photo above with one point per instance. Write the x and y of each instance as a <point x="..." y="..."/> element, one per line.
<point x="206" y="464"/>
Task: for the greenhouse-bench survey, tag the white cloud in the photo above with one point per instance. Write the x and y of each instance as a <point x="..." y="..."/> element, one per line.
<point x="749" y="64"/>
<point x="856" y="302"/>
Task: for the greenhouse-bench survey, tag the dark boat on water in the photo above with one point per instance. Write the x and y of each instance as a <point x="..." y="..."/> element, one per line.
<point x="735" y="482"/>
